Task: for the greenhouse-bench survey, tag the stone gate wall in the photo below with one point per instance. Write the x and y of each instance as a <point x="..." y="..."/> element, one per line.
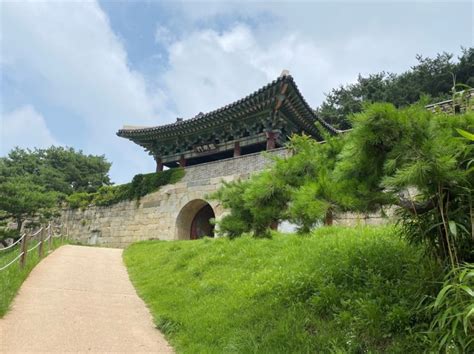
<point x="155" y="215"/>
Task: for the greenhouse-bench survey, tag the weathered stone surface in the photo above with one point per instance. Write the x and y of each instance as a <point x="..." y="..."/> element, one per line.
<point x="157" y="215"/>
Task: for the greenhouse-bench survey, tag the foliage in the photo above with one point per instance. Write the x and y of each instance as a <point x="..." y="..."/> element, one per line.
<point x="80" y="200"/>
<point x="13" y="277"/>
<point x="240" y="218"/>
<point x="415" y="159"/>
<point x="336" y="290"/>
<point x="141" y="185"/>
<point x="431" y="76"/>
<point x="314" y="196"/>
<point x="297" y="189"/>
<point x="32" y="182"/>
<point x="408" y="157"/>
<point x="58" y="169"/>
<point x="452" y="329"/>
<point x="22" y="199"/>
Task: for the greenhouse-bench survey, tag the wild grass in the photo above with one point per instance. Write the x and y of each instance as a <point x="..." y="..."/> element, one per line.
<point x="335" y="290"/>
<point x="13" y="277"/>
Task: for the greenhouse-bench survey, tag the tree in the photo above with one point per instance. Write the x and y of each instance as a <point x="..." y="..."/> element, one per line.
<point x="410" y="157"/>
<point x="59" y="169"/>
<point x="21" y="199"/>
<point x="414" y="159"/>
<point x="297" y="188"/>
<point x="32" y="182"/>
<point x="433" y="77"/>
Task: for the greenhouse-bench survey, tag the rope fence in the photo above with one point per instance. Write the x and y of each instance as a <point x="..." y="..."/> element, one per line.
<point x="25" y="238"/>
<point x="11" y="262"/>
<point x="13" y="244"/>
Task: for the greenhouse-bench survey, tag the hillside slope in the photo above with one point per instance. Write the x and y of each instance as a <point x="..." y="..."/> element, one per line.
<point x="337" y="289"/>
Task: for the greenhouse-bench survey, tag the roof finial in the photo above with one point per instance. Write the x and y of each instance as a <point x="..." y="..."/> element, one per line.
<point x="285" y="72"/>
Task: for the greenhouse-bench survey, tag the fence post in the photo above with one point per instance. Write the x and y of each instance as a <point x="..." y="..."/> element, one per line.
<point x="50" y="234"/>
<point x="24" y="249"/>
<point x="40" y="248"/>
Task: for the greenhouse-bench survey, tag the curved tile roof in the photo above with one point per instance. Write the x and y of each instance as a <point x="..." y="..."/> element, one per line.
<point x="262" y="98"/>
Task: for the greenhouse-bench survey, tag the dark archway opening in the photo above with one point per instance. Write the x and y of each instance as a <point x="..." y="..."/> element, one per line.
<point x="201" y="225"/>
<point x="194" y="220"/>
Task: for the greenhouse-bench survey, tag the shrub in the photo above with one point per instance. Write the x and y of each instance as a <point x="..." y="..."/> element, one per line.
<point x="141" y="185"/>
<point x="452" y="329"/>
<point x="80" y="200"/>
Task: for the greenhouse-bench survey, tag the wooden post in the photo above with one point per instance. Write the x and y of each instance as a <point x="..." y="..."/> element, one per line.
<point x="159" y="164"/>
<point x="182" y="161"/>
<point x="41" y="240"/>
<point x="271" y="139"/>
<point x="50" y="234"/>
<point x="24" y="249"/>
<point x="237" y="149"/>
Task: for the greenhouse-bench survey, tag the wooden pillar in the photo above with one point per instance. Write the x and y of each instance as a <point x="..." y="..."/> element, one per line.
<point x="182" y="161"/>
<point x="159" y="164"/>
<point x="50" y="235"/>
<point x="41" y="240"/>
<point x="24" y="250"/>
<point x="271" y="139"/>
<point x="237" y="148"/>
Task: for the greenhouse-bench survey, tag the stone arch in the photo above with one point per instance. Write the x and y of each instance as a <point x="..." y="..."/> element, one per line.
<point x="193" y="220"/>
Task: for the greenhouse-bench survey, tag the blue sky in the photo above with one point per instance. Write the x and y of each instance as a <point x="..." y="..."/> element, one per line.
<point x="72" y="73"/>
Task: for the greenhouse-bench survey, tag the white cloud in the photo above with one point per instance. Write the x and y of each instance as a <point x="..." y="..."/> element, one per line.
<point x="163" y="35"/>
<point x="71" y="58"/>
<point x="208" y="69"/>
<point x="26" y="128"/>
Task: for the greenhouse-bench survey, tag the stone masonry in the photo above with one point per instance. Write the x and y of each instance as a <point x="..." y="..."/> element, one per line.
<point x="167" y="213"/>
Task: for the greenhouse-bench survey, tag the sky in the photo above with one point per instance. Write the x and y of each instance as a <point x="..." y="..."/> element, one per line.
<point x="73" y="73"/>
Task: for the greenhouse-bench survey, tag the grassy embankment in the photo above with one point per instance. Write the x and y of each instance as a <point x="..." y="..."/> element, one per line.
<point x="12" y="277"/>
<point x="339" y="289"/>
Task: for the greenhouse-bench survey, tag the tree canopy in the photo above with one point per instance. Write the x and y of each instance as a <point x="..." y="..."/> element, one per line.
<point x="58" y="169"/>
<point x="32" y="182"/>
<point x="434" y="77"/>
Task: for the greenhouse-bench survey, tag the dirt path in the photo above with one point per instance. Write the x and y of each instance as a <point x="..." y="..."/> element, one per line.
<point x="80" y="299"/>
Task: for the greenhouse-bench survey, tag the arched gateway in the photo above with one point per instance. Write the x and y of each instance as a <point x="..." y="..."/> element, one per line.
<point x="224" y="144"/>
<point x="221" y="145"/>
<point x="194" y="221"/>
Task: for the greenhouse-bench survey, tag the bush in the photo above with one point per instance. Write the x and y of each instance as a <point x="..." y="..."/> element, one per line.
<point x="452" y="329"/>
<point x="80" y="200"/>
<point x="141" y="185"/>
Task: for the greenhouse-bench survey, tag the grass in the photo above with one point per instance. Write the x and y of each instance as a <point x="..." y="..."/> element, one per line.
<point x="336" y="290"/>
<point x="12" y="277"/>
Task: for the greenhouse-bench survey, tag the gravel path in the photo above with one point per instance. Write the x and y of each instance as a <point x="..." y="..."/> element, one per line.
<point x="80" y="299"/>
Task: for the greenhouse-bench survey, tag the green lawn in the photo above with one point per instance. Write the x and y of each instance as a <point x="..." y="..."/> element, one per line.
<point x="339" y="289"/>
<point x="12" y="277"/>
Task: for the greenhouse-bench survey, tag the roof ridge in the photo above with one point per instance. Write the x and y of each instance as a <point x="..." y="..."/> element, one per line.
<point x="222" y="108"/>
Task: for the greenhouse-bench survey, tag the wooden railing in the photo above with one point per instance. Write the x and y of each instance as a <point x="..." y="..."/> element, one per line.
<point x="44" y="236"/>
